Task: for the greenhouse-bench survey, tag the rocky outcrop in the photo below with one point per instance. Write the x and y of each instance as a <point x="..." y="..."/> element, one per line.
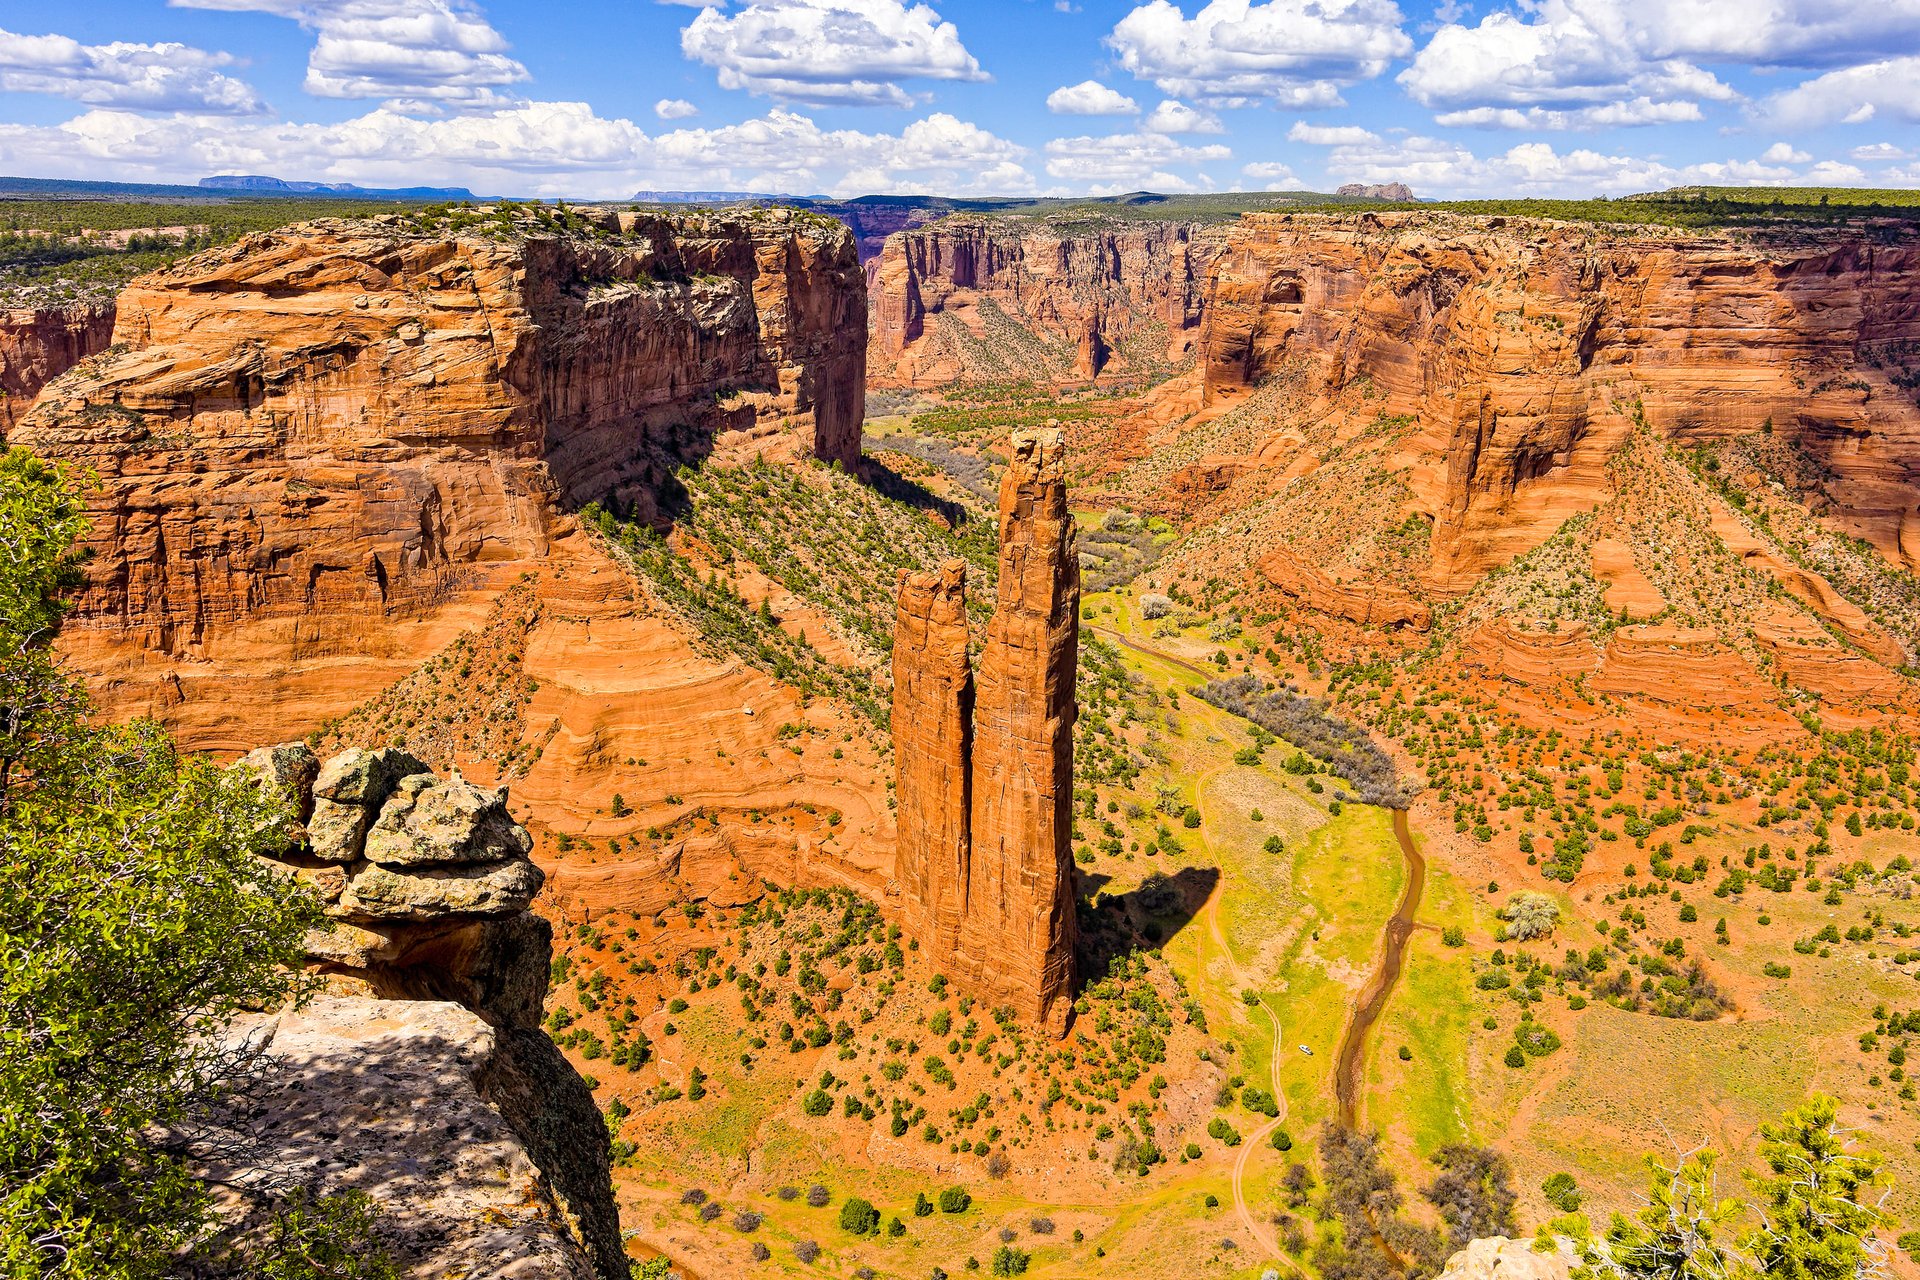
<point x="399" y="1101"/>
<point x="1367" y="603"/>
<point x="971" y="297"/>
<point x="985" y="863"/>
<point x="38" y="344"/>
<point x="428" y="886"/>
<point x="1498" y="1258"/>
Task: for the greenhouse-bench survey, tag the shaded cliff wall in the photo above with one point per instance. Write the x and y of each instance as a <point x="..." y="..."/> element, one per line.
<point x="38" y="344"/>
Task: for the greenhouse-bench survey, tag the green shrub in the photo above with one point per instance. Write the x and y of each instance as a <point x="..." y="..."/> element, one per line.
<point x="954" y="1200"/>
<point x="816" y="1103"/>
<point x="1009" y="1261"/>
<point x="1220" y="1130"/>
<point x="859" y="1216"/>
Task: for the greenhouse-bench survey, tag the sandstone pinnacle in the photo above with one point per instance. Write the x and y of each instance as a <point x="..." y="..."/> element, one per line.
<point x="986" y="778"/>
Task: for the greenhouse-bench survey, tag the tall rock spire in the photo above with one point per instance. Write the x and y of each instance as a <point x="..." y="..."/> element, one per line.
<point x="933" y="740"/>
<point x="985" y="777"/>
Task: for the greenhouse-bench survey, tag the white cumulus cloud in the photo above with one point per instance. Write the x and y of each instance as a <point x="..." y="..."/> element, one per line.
<point x="1885" y="92"/>
<point x="151" y="77"/>
<point x="1173" y="116"/>
<point x="1090" y="98"/>
<point x="1330" y="135"/>
<point x="419" y="54"/>
<point x="674" y="109"/>
<point x="829" y="52"/>
<point x="532" y="148"/>
<point x="1130" y="162"/>
<point x="1297" y="53"/>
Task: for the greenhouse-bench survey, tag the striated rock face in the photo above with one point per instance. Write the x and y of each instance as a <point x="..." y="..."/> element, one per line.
<point x="985" y="862"/>
<point x="38" y="344"/>
<point x="350" y="415"/>
<point x="430" y="887"/>
<point x="933" y="701"/>
<point x="969" y="298"/>
<point x="325" y="453"/>
<point x="1528" y="350"/>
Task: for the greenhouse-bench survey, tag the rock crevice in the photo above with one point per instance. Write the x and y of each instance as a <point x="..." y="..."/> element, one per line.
<point x="985" y="774"/>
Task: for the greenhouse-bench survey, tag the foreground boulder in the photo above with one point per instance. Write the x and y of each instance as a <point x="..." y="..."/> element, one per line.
<point x="417" y="1105"/>
<point x="422" y="1077"/>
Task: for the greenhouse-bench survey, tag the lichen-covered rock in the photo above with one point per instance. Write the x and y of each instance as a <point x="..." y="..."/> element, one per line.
<point x="428" y="880"/>
<point x="442" y="1119"/>
<point x="377" y="893"/>
<point x="426" y="822"/>
<point x="462" y="1119"/>
<point x="291" y="767"/>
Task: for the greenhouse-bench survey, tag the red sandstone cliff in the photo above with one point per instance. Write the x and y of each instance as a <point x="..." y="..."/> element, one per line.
<point x="325" y="453"/>
<point x="352" y="416"/>
<point x="38" y="344"/>
<point x="933" y="701"/>
<point x="1526" y="350"/>
<point x="969" y="298"/>
<point x="985" y="861"/>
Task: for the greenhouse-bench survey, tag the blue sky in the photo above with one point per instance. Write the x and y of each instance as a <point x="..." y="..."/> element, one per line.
<point x="599" y="98"/>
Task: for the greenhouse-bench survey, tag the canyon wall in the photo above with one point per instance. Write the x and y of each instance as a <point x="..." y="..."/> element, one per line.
<point x="38" y="344"/>
<point x="985" y="778"/>
<point x="971" y="298"/>
<point x="1524" y="350"/>
<point x="336" y="467"/>
<point x="1528" y="350"/>
<point x="329" y="446"/>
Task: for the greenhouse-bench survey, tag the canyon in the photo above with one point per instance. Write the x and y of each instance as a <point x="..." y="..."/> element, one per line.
<point x="973" y="297"/>
<point x="1493" y="383"/>
<point x="325" y="454"/>
<point x="985" y="769"/>
<point x="39" y="343"/>
<point x="568" y="499"/>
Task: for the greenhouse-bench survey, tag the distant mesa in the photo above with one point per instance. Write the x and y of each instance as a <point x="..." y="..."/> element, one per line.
<point x="1376" y="190"/>
<point x="261" y="185"/>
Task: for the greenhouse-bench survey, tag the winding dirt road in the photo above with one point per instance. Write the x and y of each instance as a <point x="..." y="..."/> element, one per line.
<point x="1350" y="1061"/>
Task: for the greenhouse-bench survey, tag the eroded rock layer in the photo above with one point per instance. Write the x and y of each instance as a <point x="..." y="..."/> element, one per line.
<point x="970" y="298"/>
<point x="356" y="416"/>
<point x="1528" y="351"/>
<point x="985" y="779"/>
